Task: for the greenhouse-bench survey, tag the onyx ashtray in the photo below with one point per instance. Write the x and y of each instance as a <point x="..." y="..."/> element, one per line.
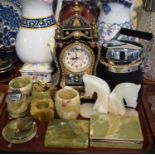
<point x="19" y="130"/>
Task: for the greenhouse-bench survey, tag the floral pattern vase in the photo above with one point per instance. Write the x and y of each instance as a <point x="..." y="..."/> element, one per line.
<point x="10" y="18"/>
<point x="114" y="14"/>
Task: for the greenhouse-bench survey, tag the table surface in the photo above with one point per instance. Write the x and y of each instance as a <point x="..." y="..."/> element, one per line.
<point x="149" y="91"/>
<point x="36" y="145"/>
<point x="149" y="82"/>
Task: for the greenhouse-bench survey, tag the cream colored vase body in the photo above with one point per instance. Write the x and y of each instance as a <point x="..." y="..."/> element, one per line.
<point x="37" y="27"/>
<point x="67" y="103"/>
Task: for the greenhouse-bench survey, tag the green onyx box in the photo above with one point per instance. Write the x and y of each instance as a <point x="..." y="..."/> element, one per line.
<point x="115" y="131"/>
<point x="67" y="134"/>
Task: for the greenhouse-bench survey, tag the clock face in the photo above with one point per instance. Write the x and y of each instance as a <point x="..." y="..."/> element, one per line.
<point x="77" y="58"/>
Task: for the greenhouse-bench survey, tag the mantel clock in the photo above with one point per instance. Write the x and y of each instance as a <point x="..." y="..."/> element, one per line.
<point x="77" y="50"/>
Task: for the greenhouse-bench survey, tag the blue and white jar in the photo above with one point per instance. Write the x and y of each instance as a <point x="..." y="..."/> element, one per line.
<point x="114" y="14"/>
<point x="10" y="18"/>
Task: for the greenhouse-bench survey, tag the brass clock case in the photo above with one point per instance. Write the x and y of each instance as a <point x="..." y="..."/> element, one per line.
<point x="76" y="49"/>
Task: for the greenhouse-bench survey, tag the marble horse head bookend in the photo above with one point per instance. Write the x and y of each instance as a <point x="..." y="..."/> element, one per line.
<point x="107" y="101"/>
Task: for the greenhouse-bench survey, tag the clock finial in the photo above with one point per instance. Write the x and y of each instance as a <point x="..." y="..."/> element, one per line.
<point x="76" y="7"/>
<point x="76" y="2"/>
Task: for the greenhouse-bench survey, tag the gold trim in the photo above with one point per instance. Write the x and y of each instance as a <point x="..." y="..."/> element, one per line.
<point x="79" y="35"/>
<point x="55" y="25"/>
<point x="98" y="57"/>
<point x="121" y="66"/>
<point x="87" y="23"/>
<point x="37" y="18"/>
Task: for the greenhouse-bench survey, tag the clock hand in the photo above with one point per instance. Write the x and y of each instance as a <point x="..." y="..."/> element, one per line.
<point x="75" y="59"/>
<point x="76" y="54"/>
<point x="73" y="62"/>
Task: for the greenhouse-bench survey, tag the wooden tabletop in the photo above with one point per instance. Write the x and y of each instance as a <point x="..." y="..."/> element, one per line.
<point x="148" y="81"/>
<point x="149" y="92"/>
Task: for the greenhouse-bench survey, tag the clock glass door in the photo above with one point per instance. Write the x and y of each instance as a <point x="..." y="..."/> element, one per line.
<point x="77" y="58"/>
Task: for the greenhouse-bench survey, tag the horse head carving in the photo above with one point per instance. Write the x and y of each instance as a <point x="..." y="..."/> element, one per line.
<point x="107" y="101"/>
<point x="93" y="85"/>
<point x="127" y="92"/>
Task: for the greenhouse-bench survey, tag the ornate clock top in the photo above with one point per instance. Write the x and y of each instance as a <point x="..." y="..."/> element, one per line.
<point x="77" y="8"/>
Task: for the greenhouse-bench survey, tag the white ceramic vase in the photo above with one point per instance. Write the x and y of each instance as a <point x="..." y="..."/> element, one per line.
<point x="37" y="27"/>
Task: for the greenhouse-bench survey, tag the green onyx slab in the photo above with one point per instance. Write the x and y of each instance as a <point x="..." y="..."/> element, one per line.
<point x="67" y="134"/>
<point x="115" y="131"/>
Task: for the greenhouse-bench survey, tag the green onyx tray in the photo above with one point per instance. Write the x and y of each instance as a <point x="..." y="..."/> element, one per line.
<point x="67" y="134"/>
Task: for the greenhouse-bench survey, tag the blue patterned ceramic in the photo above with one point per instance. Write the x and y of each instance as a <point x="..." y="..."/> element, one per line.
<point x="16" y="2"/>
<point x="107" y="29"/>
<point x="10" y="17"/>
<point x="38" y="23"/>
<point x="114" y="14"/>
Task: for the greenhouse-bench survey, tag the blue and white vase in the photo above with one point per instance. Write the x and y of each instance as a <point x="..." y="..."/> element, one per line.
<point x="114" y="14"/>
<point x="10" y="18"/>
